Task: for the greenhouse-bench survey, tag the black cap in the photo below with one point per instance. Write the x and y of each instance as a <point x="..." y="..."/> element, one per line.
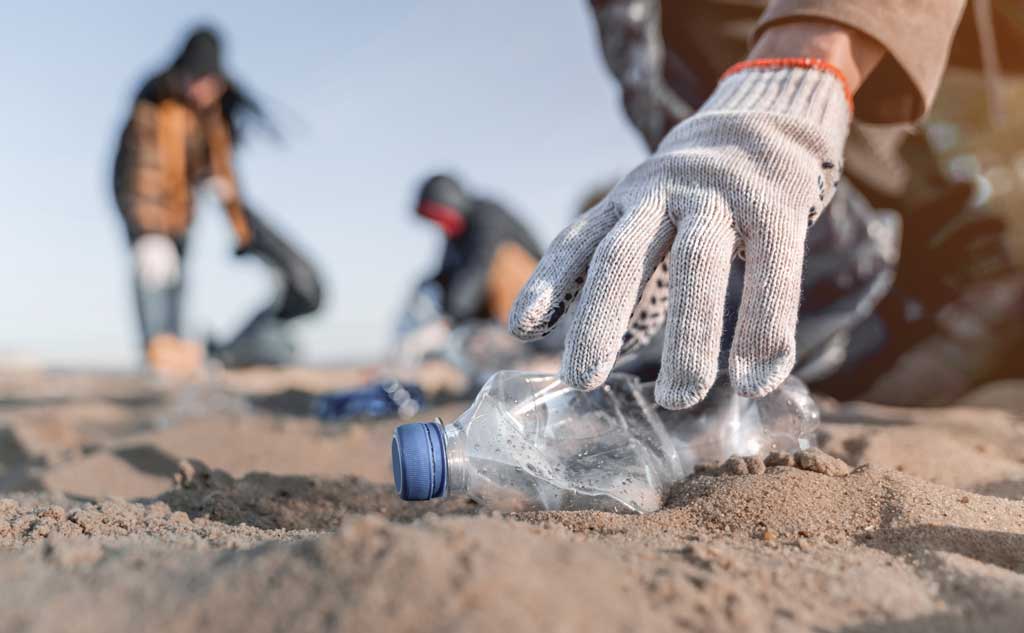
<point x="202" y="54"/>
<point x="444" y="190"/>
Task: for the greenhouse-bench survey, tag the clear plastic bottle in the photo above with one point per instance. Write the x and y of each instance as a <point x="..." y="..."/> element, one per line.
<point x="529" y="442"/>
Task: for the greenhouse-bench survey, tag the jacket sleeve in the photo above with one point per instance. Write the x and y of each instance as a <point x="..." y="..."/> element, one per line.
<point x="141" y="179"/>
<point x="916" y="34"/>
<point x="152" y="182"/>
<point x="218" y="136"/>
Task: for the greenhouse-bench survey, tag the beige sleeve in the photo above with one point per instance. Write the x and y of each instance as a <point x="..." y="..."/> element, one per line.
<point x="917" y="35"/>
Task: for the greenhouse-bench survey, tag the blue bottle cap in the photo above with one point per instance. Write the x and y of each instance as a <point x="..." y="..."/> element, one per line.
<point x="418" y="461"/>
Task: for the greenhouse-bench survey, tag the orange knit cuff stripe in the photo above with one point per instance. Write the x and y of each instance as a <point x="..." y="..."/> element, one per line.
<point x="794" y="62"/>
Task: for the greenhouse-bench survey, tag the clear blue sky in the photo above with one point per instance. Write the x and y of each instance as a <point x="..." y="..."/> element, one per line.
<point x="513" y="96"/>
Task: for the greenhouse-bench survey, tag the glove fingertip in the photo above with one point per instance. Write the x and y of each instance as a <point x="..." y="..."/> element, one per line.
<point x="757" y="379"/>
<point x="534" y="316"/>
<point x="526" y="331"/>
<point x="581" y="376"/>
<point x="675" y="395"/>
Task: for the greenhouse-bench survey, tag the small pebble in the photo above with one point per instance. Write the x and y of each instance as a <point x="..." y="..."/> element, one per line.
<point x="735" y="465"/>
<point x="779" y="458"/>
<point x="818" y="461"/>
<point x="755" y="465"/>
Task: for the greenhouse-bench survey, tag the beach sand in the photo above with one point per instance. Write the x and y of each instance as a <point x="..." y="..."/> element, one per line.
<point x="127" y="504"/>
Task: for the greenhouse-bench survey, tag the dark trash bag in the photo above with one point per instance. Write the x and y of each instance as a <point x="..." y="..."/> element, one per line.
<point x="265" y="340"/>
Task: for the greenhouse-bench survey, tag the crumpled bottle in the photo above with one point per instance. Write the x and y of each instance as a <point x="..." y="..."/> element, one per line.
<point x="529" y="442"/>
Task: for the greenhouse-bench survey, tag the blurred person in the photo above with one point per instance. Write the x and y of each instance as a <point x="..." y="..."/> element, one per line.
<point x="750" y="147"/>
<point x="488" y="253"/>
<point x="453" y="332"/>
<point x="183" y="129"/>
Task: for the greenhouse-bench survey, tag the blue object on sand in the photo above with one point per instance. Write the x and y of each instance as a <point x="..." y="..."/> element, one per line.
<point x="381" y="400"/>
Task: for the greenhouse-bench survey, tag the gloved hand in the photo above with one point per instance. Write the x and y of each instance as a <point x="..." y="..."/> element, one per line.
<point x="750" y="171"/>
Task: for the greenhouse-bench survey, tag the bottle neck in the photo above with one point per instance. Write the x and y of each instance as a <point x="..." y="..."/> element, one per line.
<point x="457" y="472"/>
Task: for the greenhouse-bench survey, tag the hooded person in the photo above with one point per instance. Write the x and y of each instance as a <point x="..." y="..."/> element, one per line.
<point x="488" y="257"/>
<point x="182" y="132"/>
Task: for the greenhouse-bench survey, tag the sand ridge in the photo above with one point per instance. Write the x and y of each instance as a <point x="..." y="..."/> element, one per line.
<point x="265" y="520"/>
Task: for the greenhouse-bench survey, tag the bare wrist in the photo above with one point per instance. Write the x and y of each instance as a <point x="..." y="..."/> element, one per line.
<point x="854" y="54"/>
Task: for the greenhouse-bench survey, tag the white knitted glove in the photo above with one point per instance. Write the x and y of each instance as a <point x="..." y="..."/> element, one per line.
<point x="750" y="171"/>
